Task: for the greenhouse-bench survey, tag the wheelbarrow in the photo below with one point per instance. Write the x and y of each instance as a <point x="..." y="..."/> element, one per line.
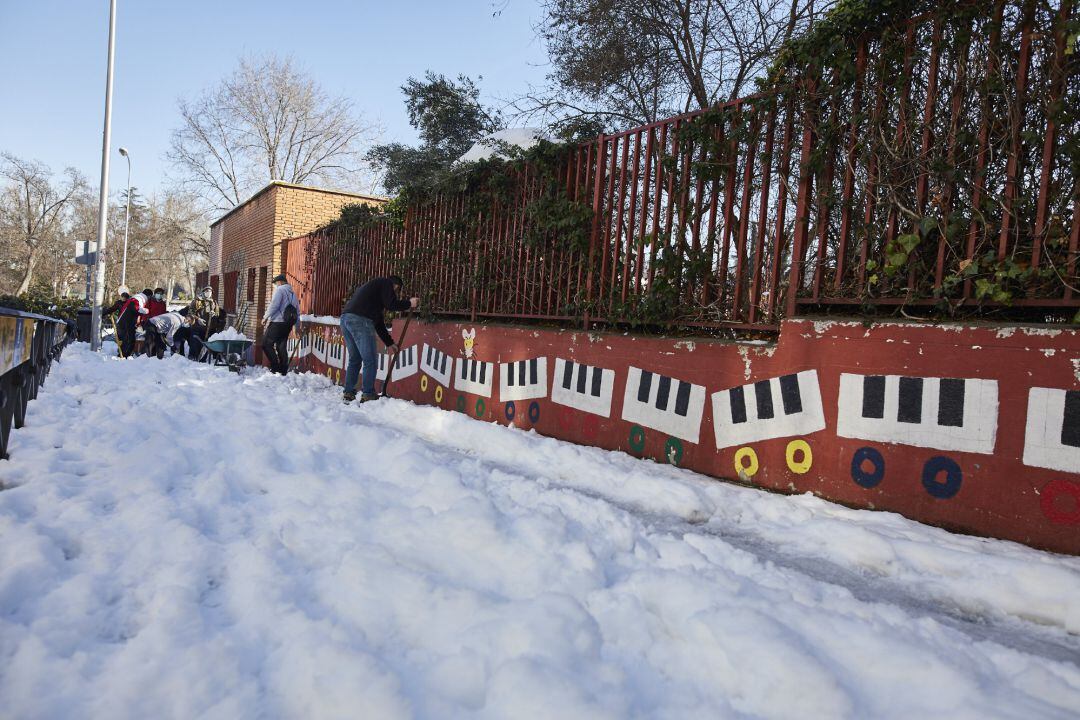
<point x="228" y="352"/>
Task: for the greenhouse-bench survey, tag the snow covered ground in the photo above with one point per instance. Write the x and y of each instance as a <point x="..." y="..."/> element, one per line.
<point x="178" y="541"/>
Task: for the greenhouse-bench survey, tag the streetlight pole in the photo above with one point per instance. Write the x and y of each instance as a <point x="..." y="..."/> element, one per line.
<point x="127" y="218"/>
<point x="103" y="200"/>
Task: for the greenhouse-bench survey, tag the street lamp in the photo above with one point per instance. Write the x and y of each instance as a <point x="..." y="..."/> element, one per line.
<point x="127" y="218"/>
<point x="103" y="198"/>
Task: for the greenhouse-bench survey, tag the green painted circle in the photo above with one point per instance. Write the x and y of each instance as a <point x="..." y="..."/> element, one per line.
<point x="461" y="403"/>
<point x="480" y="407"/>
<point x="673" y="450"/>
<point x="637" y="438"/>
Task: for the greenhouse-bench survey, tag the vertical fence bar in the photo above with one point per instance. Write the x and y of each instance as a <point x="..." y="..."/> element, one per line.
<point x="1050" y="136"/>
<point x="630" y="218"/>
<point x="984" y="138"/>
<point x="763" y="213"/>
<point x="1012" y="168"/>
<point x="802" y="204"/>
<point x="781" y="205"/>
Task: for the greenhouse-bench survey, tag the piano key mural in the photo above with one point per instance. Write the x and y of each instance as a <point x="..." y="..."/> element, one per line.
<point x="890" y="425"/>
<point x="583" y="387"/>
<point x="437" y="364"/>
<point x="776" y="407"/>
<point x="941" y="413"/>
<point x="408" y="364"/>
<point x="523" y="380"/>
<point x="663" y="403"/>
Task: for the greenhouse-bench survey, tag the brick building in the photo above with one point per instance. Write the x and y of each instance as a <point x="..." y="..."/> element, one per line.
<point x="246" y="243"/>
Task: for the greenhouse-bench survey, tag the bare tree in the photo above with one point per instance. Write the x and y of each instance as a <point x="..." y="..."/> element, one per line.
<point x="267" y="121"/>
<point x="620" y="62"/>
<point x="33" y="211"/>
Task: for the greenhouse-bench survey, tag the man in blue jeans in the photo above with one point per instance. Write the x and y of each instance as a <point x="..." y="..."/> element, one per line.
<point x="361" y="320"/>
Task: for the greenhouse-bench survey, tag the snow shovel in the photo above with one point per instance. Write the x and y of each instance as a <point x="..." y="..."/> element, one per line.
<point x="393" y="361"/>
<point x="116" y="338"/>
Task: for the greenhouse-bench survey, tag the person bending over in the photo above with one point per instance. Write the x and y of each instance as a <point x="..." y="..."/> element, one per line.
<point x="362" y="319"/>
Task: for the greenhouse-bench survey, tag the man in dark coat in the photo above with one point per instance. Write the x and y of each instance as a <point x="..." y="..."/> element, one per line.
<point x="361" y="320"/>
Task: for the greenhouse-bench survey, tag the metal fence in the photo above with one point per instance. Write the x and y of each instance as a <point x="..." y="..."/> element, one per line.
<point x="28" y="345"/>
<point x="938" y="165"/>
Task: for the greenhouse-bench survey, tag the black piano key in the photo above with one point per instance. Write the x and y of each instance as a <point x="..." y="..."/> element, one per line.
<point x="873" y="396"/>
<point x="472" y="370"/>
<point x="521" y="373"/>
<point x="644" y="386"/>
<point x="463" y="368"/>
<point x="763" y="396"/>
<point x="790" y="395"/>
<point x="567" y="374"/>
<point x="429" y="356"/>
<point x="910" y="409"/>
<point x="442" y="368"/>
<point x="737" y="399"/>
<point x="508" y="370"/>
<point x="663" y="389"/>
<point x="1070" y="423"/>
<point x="583" y="370"/>
<point x="597" y="376"/>
<point x="532" y="370"/>
<point x="950" y="410"/>
<point x="682" y="398"/>
<point x="483" y="372"/>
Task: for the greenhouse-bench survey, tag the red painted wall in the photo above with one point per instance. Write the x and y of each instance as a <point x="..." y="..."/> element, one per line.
<point x="959" y="453"/>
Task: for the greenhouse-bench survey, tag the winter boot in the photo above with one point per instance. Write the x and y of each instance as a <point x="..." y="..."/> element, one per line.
<point x="367" y="397"/>
<point x="348" y="397"/>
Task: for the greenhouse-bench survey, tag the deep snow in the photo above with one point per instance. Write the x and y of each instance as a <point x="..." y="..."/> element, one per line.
<point x="180" y="541"/>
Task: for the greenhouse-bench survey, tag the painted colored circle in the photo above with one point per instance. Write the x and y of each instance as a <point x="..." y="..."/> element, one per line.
<point x="803" y="464"/>
<point x="511" y="410"/>
<point x="534" y="412"/>
<point x="423" y="383"/>
<point x="746" y="462"/>
<point x="673" y="450"/>
<point x="1048" y="501"/>
<point x="861" y="476"/>
<point x="438" y="393"/>
<point x="637" y="438"/>
<point x="461" y="403"/>
<point x="480" y="407"/>
<point x="953" y="477"/>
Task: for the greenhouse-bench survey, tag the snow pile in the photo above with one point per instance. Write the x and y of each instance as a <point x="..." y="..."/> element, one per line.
<point x="495" y="143"/>
<point x="295" y="557"/>
<point x="322" y="319"/>
<point x="229" y="333"/>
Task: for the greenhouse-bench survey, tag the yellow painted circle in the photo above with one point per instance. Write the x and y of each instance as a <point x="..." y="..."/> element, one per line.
<point x="807" y="461"/>
<point x="423" y="383"/>
<point x="438" y="394"/>
<point x="749" y="468"/>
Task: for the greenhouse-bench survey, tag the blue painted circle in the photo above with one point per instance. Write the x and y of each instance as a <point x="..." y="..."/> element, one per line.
<point x="511" y="410"/>
<point x="860" y="476"/>
<point x="953" y="477"/>
<point x="534" y="412"/>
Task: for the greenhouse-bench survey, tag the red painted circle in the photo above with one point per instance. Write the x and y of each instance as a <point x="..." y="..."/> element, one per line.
<point x="1052" y="509"/>
<point x="590" y="425"/>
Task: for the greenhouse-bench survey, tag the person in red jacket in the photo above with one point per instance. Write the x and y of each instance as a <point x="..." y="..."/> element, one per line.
<point x="155" y="305"/>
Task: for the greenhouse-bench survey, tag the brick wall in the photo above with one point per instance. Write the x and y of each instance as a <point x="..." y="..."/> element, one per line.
<point x="249" y="237"/>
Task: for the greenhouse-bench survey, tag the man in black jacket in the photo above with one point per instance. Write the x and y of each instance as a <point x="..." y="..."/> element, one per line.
<point x="361" y="320"/>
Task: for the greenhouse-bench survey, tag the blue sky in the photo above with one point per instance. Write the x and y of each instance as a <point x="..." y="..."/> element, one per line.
<point x="53" y="94"/>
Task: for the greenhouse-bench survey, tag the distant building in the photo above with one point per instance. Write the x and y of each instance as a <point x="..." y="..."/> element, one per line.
<point x="246" y="243"/>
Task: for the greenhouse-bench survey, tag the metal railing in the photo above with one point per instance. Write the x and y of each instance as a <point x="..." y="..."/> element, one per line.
<point x="935" y="166"/>
<point x="29" y="344"/>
